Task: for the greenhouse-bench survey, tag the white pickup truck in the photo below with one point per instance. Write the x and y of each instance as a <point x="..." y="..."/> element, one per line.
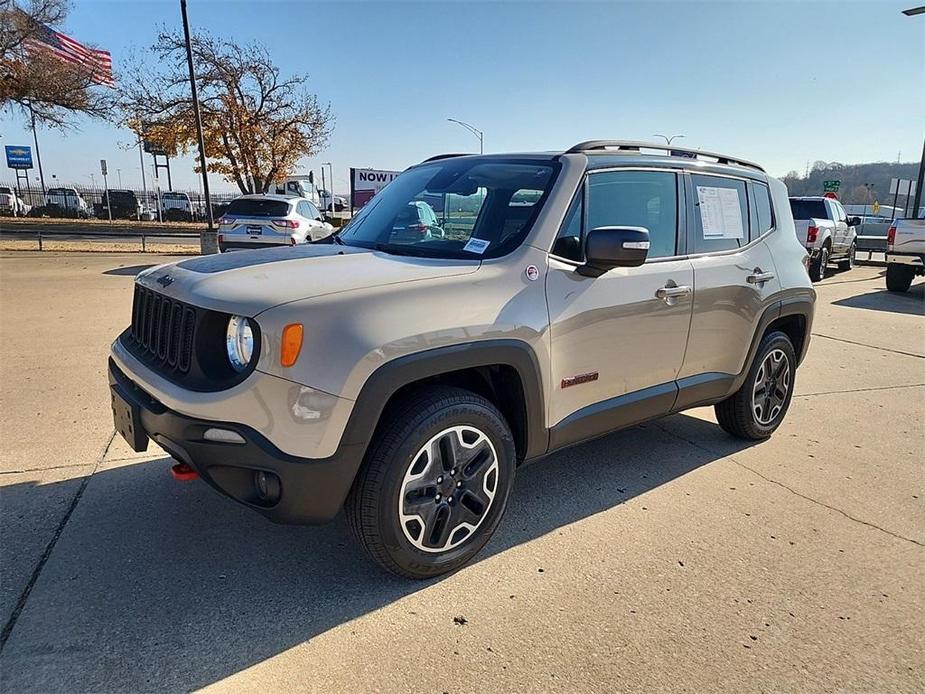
<point x="827" y="231"/>
<point x="10" y="203"/>
<point x="905" y="253"/>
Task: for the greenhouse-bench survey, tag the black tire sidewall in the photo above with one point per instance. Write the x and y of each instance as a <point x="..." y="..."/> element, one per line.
<point x="399" y="549"/>
<point x="777" y="340"/>
<point x="820" y="265"/>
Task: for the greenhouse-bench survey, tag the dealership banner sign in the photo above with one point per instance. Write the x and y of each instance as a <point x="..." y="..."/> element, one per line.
<point x="365" y="183"/>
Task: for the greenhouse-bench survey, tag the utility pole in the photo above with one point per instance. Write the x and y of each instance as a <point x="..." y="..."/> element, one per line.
<point x="912" y="12"/>
<point x="38" y="155"/>
<point x="207" y="241"/>
<point x="144" y="184"/>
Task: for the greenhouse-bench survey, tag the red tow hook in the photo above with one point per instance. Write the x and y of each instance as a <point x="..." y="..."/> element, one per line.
<point x="183" y="473"/>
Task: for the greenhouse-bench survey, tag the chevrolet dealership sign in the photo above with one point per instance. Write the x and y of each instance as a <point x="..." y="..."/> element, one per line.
<point x="18" y="157"/>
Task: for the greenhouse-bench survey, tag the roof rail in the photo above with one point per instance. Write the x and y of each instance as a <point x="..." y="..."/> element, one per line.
<point x="446" y="156"/>
<point x="631" y="146"/>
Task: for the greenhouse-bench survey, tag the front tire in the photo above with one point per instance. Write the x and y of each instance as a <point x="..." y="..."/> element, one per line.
<point x="899" y="277"/>
<point x="818" y="265"/>
<point x="848" y="263"/>
<point x="755" y="410"/>
<point x="435" y="482"/>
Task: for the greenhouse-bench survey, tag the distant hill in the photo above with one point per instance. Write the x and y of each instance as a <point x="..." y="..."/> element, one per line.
<point x="853" y="177"/>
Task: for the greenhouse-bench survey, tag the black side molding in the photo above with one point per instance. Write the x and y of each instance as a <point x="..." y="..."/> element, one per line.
<point x="613" y="414"/>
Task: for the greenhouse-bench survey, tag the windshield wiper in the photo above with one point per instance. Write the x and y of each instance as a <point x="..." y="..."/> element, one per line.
<point x="395" y="249"/>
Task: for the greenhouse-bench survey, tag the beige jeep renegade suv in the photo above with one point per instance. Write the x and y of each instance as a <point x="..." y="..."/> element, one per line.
<point x="479" y="313"/>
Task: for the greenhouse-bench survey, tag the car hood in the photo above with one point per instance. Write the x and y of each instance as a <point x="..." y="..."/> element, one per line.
<point x="249" y="282"/>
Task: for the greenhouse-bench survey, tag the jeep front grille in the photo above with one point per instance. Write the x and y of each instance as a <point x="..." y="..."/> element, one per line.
<point x="163" y="330"/>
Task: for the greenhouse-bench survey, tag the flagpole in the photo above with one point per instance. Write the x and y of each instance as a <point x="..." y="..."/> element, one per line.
<point x="38" y="156"/>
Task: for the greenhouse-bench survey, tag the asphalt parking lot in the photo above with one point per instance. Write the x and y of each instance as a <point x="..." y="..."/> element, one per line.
<point x="668" y="557"/>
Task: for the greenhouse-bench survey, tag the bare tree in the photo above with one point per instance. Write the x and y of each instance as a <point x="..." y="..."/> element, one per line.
<point x="256" y="123"/>
<point x="55" y="90"/>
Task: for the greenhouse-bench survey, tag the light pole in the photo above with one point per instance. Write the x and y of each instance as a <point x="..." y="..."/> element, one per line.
<point x="208" y="242"/>
<point x="911" y="12"/>
<point x="119" y="172"/>
<point x="330" y="184"/>
<point x="668" y="139"/>
<point x="475" y="131"/>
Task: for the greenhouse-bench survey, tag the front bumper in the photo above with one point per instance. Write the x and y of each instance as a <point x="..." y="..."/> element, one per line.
<point x="311" y="491"/>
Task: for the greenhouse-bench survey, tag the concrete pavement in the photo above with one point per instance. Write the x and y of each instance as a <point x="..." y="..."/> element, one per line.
<point x="666" y="557"/>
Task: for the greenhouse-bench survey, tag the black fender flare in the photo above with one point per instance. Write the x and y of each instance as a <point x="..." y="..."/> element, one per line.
<point x="388" y="378"/>
<point x="797" y="303"/>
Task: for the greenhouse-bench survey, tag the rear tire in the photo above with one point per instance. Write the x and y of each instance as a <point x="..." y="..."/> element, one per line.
<point x="818" y="265"/>
<point x="848" y="263"/>
<point x="899" y="277"/>
<point x="754" y="411"/>
<point x="434" y="484"/>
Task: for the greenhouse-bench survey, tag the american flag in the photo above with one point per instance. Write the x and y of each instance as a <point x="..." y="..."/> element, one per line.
<point x="71" y="51"/>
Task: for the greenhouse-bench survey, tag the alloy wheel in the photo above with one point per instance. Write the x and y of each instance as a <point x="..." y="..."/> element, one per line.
<point x="448" y="489"/>
<point x="772" y="384"/>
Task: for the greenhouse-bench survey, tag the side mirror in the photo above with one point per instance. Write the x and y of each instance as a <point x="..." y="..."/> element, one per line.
<point x="854" y="221"/>
<point x="610" y="247"/>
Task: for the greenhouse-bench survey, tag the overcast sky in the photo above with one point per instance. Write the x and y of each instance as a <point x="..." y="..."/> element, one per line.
<point x="779" y="83"/>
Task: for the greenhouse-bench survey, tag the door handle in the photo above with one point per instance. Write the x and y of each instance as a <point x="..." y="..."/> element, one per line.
<point x="759" y="277"/>
<point x="668" y="294"/>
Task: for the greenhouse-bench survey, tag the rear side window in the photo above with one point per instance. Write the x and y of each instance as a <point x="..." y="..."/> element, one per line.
<point x="808" y="209"/>
<point x="256" y="207"/>
<point x="720" y="214"/>
<point x="637" y="199"/>
<point x="763" y="209"/>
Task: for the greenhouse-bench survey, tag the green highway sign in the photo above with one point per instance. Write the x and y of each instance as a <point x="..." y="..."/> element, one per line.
<point x="831" y="186"/>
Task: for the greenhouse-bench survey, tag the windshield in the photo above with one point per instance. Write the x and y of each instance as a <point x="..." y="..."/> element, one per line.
<point x="808" y="209"/>
<point x="5" y="191"/>
<point x="454" y="208"/>
<point x="257" y="207"/>
<point x="124" y="197"/>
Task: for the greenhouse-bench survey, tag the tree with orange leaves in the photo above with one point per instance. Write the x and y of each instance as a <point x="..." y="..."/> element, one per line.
<point x="256" y="123"/>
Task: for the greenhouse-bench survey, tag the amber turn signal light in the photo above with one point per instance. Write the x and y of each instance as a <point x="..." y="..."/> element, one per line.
<point x="291" y="344"/>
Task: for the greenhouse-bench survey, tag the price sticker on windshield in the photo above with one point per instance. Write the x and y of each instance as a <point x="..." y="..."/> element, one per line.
<point x="476" y="246"/>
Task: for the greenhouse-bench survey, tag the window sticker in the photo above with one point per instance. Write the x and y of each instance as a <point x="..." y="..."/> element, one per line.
<point x="720" y="213"/>
<point x="476" y="246"/>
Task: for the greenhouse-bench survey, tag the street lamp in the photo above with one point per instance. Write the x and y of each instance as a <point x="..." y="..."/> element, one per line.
<point x="330" y="185"/>
<point x="911" y="12"/>
<point x="472" y="129"/>
<point x="668" y="139"/>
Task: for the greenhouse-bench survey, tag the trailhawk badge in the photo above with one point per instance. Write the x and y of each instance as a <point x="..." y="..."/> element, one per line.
<point x="533" y="272"/>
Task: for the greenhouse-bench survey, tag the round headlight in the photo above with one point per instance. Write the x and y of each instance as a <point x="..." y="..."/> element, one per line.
<point x="239" y="341"/>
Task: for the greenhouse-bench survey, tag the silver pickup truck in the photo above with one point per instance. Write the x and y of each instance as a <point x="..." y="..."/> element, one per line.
<point x="829" y="234"/>
<point x="905" y="253"/>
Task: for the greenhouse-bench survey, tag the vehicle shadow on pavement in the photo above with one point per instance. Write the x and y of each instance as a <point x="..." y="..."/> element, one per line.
<point x="911" y="302"/>
<point x="158" y="585"/>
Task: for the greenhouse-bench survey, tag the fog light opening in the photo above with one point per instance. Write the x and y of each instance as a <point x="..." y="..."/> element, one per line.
<point x="268" y="487"/>
<point x="223" y="436"/>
